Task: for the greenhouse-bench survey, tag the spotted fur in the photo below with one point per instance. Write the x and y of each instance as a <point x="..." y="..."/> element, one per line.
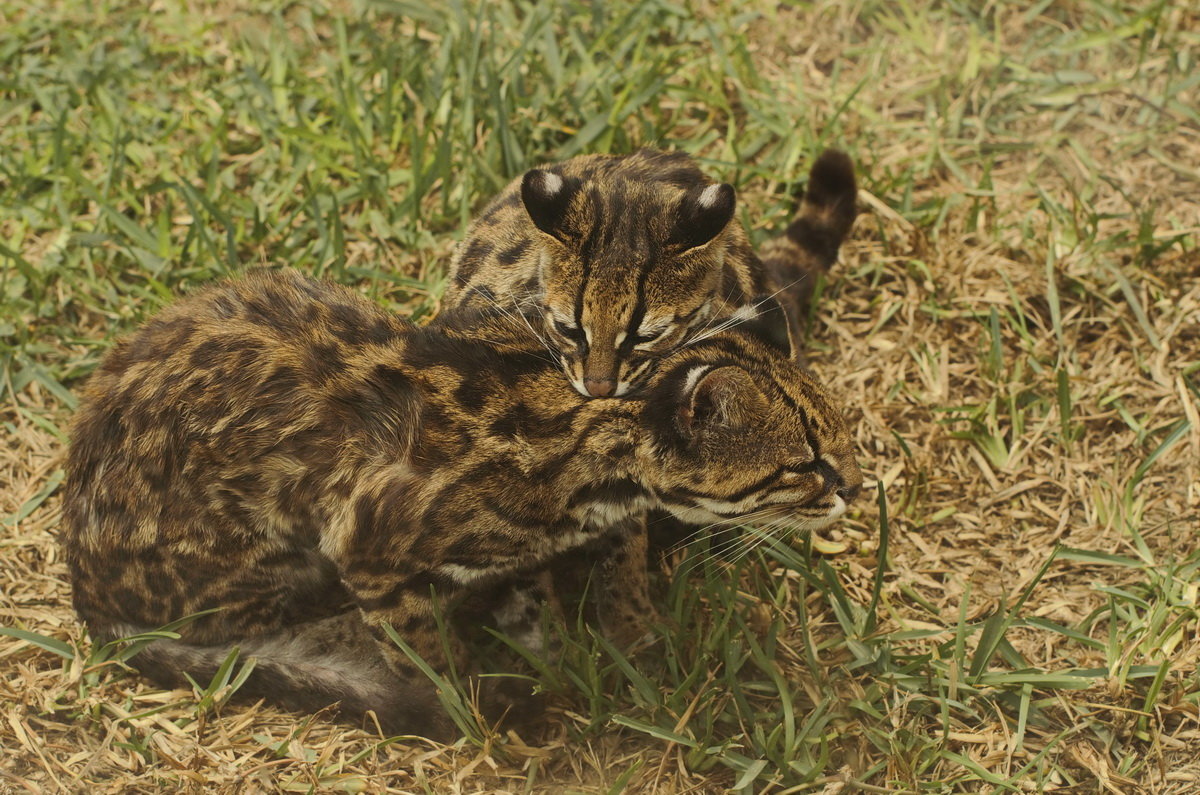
<point x="285" y="452"/>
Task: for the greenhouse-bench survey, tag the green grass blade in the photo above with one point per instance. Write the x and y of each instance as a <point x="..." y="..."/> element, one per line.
<point x="55" y="645"/>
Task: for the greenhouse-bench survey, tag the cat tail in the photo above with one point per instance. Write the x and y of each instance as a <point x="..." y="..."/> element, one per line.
<point x="328" y="665"/>
<point x="809" y="246"/>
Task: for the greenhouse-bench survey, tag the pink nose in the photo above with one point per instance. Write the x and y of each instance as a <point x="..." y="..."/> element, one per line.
<point x="600" y="387"/>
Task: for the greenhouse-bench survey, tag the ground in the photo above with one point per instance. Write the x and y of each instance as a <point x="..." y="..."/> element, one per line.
<point x="1014" y="329"/>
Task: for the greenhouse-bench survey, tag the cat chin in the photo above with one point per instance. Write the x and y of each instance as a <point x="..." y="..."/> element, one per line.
<point x="694" y="515"/>
<point x="820" y="522"/>
<point x="699" y="516"/>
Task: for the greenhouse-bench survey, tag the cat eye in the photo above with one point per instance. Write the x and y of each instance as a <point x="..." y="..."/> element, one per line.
<point x="570" y="332"/>
<point x="574" y="335"/>
<point x="799" y="471"/>
<point x="650" y="336"/>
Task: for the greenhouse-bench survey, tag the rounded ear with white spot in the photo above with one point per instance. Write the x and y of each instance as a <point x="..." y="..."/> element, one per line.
<point x="546" y="196"/>
<point x="704" y="212"/>
<point x="766" y="319"/>
<point x="725" y="397"/>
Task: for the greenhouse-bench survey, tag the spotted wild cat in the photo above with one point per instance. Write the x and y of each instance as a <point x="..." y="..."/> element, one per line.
<point x="286" y="451"/>
<point x="628" y="256"/>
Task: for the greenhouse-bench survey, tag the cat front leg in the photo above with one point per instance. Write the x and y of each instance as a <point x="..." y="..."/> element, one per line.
<point x="625" y="610"/>
<point x="517" y="610"/>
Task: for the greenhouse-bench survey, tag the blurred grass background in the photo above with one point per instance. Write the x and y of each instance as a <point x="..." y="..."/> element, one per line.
<point x="1015" y="328"/>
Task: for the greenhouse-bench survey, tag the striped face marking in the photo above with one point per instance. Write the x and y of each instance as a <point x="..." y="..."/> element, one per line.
<point x="608" y="350"/>
<point x="632" y="275"/>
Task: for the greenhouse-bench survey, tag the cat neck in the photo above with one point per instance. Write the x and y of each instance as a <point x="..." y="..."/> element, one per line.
<point x="494" y="389"/>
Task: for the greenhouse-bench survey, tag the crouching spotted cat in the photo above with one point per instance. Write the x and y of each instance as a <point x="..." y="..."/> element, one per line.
<point x="288" y="453"/>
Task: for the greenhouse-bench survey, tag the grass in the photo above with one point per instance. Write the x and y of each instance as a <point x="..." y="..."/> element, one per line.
<point x="1015" y="328"/>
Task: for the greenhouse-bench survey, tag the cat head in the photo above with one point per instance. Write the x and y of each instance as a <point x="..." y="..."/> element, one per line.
<point x="739" y="429"/>
<point x="629" y="269"/>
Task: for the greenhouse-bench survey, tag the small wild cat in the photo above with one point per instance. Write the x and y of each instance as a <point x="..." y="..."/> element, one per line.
<point x="627" y="257"/>
<point x="284" y="450"/>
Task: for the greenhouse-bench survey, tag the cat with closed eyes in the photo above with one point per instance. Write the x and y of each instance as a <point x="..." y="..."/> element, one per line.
<point x="623" y="258"/>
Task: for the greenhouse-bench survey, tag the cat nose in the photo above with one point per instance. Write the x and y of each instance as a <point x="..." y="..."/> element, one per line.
<point x="600" y="387"/>
<point x="835" y="482"/>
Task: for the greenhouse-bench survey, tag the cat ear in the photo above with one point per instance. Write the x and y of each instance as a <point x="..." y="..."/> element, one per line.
<point x="546" y="196"/>
<point x="703" y="213"/>
<point x="725" y="397"/>
<point x="765" y="318"/>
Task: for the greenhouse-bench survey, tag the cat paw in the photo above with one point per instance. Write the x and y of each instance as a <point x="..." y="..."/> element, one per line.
<point x="510" y="701"/>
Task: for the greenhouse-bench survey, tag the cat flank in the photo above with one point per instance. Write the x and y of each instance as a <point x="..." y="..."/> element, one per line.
<point x="288" y="453"/>
<point x="625" y="257"/>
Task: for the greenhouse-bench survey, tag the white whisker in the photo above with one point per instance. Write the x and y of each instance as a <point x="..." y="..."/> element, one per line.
<point x="733" y="320"/>
<point x="743" y="519"/>
<point x="761" y="535"/>
<point x="778" y="522"/>
<point x="519" y="319"/>
<point x="715" y="551"/>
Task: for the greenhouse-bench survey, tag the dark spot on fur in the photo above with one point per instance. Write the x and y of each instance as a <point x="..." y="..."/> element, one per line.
<point x="205" y="354"/>
<point x="513" y="254"/>
<point x="613" y="491"/>
<point x="509" y="423"/>
<point x="224" y="308"/>
<point x="324" y="361"/>
<point x="472" y="258"/>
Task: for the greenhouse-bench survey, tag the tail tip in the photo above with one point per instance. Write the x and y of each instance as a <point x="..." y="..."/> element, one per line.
<point x="831" y="180"/>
